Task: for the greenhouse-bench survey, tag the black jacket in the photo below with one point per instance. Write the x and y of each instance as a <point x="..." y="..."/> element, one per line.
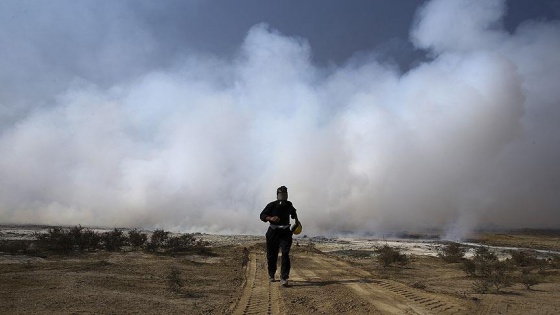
<point x="282" y="209"/>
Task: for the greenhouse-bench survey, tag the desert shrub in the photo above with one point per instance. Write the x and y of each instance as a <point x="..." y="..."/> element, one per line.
<point x="137" y="238"/>
<point x="489" y="271"/>
<point x="90" y="239"/>
<point x="61" y="239"/>
<point x="184" y="242"/>
<point x="14" y="247"/>
<point x="554" y="262"/>
<point x="452" y="252"/>
<point x="529" y="279"/>
<point x="524" y="258"/>
<point x="83" y="238"/>
<point x="469" y="267"/>
<point x="158" y="240"/>
<point x="481" y="286"/>
<point x="483" y="253"/>
<point x="500" y="275"/>
<point x="75" y="234"/>
<point x="56" y="239"/>
<point x="174" y="280"/>
<point x="113" y="240"/>
<point x="387" y="256"/>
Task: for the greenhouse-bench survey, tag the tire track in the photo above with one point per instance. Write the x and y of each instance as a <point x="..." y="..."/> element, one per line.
<point x="259" y="295"/>
<point x="387" y="296"/>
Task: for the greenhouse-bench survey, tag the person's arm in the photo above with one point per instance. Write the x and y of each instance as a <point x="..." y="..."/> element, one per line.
<point x="266" y="214"/>
<point x="293" y="214"/>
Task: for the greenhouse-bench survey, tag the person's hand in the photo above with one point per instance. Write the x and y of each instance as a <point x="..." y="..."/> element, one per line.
<point x="274" y="219"/>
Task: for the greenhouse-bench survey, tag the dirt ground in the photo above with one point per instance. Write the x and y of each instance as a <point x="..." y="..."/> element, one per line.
<point x="231" y="279"/>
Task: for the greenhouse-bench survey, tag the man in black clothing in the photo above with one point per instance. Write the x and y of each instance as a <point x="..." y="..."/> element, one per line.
<point x="279" y="235"/>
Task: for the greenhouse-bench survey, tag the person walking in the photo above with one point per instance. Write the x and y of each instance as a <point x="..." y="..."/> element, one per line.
<point x="279" y="234"/>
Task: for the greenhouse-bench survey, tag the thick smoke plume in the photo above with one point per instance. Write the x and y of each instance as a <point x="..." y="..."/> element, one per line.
<point x="467" y="139"/>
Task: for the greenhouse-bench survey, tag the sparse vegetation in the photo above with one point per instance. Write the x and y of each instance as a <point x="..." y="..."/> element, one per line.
<point x="77" y="238"/>
<point x="387" y="256"/>
<point x="136" y="238"/>
<point x="529" y="279"/>
<point x="56" y="239"/>
<point x="157" y="240"/>
<point x="452" y="252"/>
<point x="524" y="258"/>
<point x="113" y="240"/>
<point x="489" y="271"/>
<point x="15" y="247"/>
<point x="174" y="280"/>
<point x="184" y="242"/>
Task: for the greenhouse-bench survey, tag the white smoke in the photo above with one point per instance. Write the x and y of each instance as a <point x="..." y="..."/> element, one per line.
<point x="465" y="140"/>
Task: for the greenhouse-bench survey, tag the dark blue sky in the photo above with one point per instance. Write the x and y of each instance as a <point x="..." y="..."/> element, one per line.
<point x="336" y="30"/>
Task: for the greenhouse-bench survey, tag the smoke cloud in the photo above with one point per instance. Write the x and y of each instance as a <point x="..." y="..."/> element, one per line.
<point x="118" y="137"/>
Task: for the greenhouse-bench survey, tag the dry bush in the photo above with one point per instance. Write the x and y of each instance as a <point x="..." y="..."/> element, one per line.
<point x="182" y="243"/>
<point x="56" y="239"/>
<point x="113" y="240"/>
<point x="500" y="275"/>
<point x="523" y="258"/>
<point x="158" y="240"/>
<point x="554" y="262"/>
<point x="529" y="279"/>
<point x="452" y="252"/>
<point x="60" y="239"/>
<point x="15" y="247"/>
<point x="489" y="271"/>
<point x="174" y="280"/>
<point x="161" y="241"/>
<point x="481" y="286"/>
<point x="387" y="256"/>
<point x="84" y="239"/>
<point x="136" y="238"/>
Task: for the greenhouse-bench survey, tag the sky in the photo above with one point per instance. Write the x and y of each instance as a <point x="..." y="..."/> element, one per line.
<point x="379" y="116"/>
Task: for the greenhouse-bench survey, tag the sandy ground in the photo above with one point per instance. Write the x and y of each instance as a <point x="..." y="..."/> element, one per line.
<point x="328" y="277"/>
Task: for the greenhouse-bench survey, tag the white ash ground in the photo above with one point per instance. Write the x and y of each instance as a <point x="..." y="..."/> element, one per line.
<point x="417" y="247"/>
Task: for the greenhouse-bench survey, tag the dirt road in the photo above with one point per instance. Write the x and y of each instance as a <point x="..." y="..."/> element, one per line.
<point x="320" y="285"/>
<point x="230" y="278"/>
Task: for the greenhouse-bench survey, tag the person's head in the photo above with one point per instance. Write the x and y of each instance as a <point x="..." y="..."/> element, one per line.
<point x="282" y="193"/>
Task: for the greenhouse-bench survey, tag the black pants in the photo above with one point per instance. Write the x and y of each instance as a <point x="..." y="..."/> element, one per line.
<point x="277" y="239"/>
